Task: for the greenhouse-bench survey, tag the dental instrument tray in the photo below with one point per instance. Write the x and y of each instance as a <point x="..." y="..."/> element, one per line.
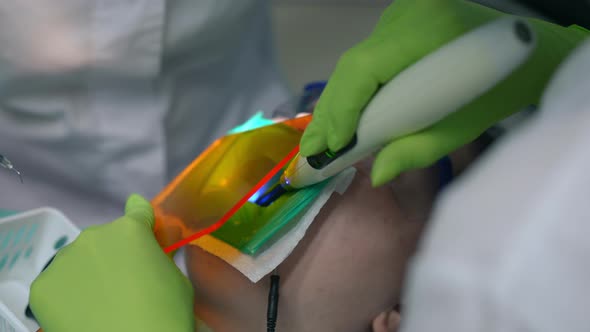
<point x="28" y="240"/>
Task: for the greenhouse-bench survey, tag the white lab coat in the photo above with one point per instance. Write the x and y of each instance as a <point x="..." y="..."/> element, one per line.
<point x="102" y="98"/>
<point x="509" y="245"/>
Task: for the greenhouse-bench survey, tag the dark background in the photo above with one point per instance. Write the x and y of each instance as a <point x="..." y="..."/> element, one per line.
<point x="563" y="12"/>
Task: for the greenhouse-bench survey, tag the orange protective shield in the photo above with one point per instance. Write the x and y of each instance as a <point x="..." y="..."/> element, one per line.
<point x="217" y="179"/>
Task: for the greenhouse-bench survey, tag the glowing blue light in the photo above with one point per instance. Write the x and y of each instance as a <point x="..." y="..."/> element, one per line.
<point x="275" y="179"/>
<point x="256" y="121"/>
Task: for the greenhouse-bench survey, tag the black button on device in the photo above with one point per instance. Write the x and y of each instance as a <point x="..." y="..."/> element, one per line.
<point x="523" y="32"/>
<point x="323" y="159"/>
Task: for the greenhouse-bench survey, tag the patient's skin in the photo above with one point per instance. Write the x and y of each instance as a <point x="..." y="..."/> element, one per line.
<point x="346" y="273"/>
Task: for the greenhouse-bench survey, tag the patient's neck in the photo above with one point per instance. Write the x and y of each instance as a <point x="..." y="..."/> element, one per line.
<point x="417" y="190"/>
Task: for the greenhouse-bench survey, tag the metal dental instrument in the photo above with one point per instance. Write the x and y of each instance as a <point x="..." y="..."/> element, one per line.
<point x="4" y="162"/>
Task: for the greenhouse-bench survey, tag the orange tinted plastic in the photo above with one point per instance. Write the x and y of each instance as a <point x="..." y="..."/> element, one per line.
<point x="220" y="176"/>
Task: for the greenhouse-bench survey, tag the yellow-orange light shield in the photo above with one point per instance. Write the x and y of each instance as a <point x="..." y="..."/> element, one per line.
<point x="218" y="178"/>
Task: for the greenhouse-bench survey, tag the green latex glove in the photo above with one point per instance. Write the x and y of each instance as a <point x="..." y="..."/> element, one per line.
<point x="407" y="31"/>
<point x="116" y="278"/>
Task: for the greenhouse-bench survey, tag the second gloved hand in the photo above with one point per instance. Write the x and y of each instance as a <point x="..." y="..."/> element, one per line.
<point x="406" y="32"/>
<point x="114" y="277"/>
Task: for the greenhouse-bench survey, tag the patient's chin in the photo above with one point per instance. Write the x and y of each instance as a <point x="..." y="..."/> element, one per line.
<point x="346" y="270"/>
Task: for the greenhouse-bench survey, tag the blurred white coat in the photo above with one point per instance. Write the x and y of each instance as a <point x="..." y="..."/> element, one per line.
<point x="509" y="245"/>
<point x="101" y="98"/>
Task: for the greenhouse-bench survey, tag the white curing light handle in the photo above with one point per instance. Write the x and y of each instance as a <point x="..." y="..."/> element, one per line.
<point x="423" y="94"/>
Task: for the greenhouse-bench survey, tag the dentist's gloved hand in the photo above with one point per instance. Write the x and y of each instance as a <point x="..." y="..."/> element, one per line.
<point x="114" y="277"/>
<point x="406" y="32"/>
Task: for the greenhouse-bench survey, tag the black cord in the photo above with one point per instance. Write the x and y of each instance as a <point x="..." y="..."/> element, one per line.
<point x="28" y="312"/>
<point x="273" y="303"/>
